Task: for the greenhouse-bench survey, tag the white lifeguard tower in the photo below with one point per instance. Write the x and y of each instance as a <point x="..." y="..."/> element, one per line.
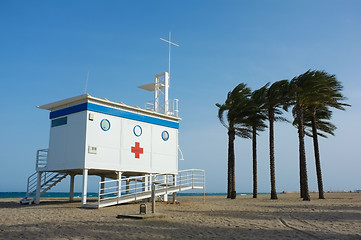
<point x="135" y="147"/>
<point x="129" y="148"/>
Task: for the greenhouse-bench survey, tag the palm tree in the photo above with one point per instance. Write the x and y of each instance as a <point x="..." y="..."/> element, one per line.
<point x="257" y="116"/>
<point x="276" y="98"/>
<point x="328" y="95"/>
<point x="307" y="90"/>
<point x="302" y="90"/>
<point x="236" y="99"/>
<point x="317" y="124"/>
<point x="298" y="114"/>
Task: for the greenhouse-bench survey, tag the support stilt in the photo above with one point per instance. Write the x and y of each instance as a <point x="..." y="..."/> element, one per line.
<point x="38" y="187"/>
<point x="165" y="196"/>
<point x="71" y="195"/>
<point x="85" y="187"/>
<point x="150" y="182"/>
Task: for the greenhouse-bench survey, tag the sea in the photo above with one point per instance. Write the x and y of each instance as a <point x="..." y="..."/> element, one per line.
<point x="78" y="194"/>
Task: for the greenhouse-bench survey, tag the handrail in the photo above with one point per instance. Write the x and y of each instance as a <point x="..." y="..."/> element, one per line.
<point x="47" y="179"/>
<point x="41" y="159"/>
<point x="138" y="187"/>
<point x="173" y="107"/>
<point x="30" y="181"/>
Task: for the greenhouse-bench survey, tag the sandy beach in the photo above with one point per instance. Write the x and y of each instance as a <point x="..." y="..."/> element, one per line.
<point x="337" y="217"/>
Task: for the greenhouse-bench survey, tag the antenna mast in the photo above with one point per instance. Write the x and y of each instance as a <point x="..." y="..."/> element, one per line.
<point x="161" y="88"/>
<point x="86" y="82"/>
<point x="169" y="45"/>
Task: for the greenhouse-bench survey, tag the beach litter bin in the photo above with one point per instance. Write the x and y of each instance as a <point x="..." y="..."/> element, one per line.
<point x="143" y="208"/>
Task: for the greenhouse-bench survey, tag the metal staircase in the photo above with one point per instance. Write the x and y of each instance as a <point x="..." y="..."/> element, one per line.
<point x="137" y="188"/>
<point x="48" y="180"/>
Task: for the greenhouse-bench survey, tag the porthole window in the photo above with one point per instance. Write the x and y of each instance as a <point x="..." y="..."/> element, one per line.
<point x="105" y="124"/>
<point x="137" y="130"/>
<point x="165" y="136"/>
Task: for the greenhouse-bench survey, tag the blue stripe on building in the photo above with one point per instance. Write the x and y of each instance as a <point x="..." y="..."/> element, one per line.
<point x="114" y="112"/>
<point x="68" y="110"/>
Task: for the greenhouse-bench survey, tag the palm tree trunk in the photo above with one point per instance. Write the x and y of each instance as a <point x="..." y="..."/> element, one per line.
<point x="300" y="166"/>
<point x="300" y="172"/>
<point x="317" y="159"/>
<point x="302" y="155"/>
<point x="272" y="155"/>
<point x="231" y="163"/>
<point x="254" y="150"/>
<point x="300" y="162"/>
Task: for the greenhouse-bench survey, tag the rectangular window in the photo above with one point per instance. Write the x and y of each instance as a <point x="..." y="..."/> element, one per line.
<point x="59" y="121"/>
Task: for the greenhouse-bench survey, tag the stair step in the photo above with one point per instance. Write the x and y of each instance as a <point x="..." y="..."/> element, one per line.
<point x="27" y="201"/>
<point x="52" y="180"/>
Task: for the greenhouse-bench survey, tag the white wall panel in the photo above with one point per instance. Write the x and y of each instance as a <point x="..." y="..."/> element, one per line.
<point x="67" y="144"/>
<point x="129" y="160"/>
<point x="164" y="152"/>
<point x="107" y="143"/>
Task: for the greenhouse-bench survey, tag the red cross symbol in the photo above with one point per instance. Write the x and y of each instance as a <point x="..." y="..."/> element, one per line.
<point x="137" y="150"/>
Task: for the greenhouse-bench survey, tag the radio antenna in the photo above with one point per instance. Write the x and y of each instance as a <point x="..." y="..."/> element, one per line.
<point x="169" y="45"/>
<point x="86" y="82"/>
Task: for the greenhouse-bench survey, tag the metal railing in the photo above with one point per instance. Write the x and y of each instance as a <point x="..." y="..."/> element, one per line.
<point x="137" y="188"/>
<point x="41" y="159"/>
<point x="173" y="105"/>
<point x="32" y="183"/>
<point x="48" y="179"/>
<point x="173" y="109"/>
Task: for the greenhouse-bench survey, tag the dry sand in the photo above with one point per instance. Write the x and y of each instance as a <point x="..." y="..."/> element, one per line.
<point x="337" y="217"/>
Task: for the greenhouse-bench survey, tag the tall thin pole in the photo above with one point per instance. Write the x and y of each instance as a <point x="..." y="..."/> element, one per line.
<point x="86" y="82"/>
<point x="167" y="75"/>
<point x="153" y="198"/>
<point x="169" y="45"/>
<point x="170" y="40"/>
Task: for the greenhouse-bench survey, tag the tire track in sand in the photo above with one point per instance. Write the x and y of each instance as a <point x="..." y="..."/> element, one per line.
<point x="298" y="230"/>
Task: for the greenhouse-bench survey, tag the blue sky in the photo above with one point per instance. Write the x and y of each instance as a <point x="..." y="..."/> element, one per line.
<point x="47" y="48"/>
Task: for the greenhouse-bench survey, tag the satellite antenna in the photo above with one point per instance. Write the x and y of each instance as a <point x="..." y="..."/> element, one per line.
<point x="161" y="87"/>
